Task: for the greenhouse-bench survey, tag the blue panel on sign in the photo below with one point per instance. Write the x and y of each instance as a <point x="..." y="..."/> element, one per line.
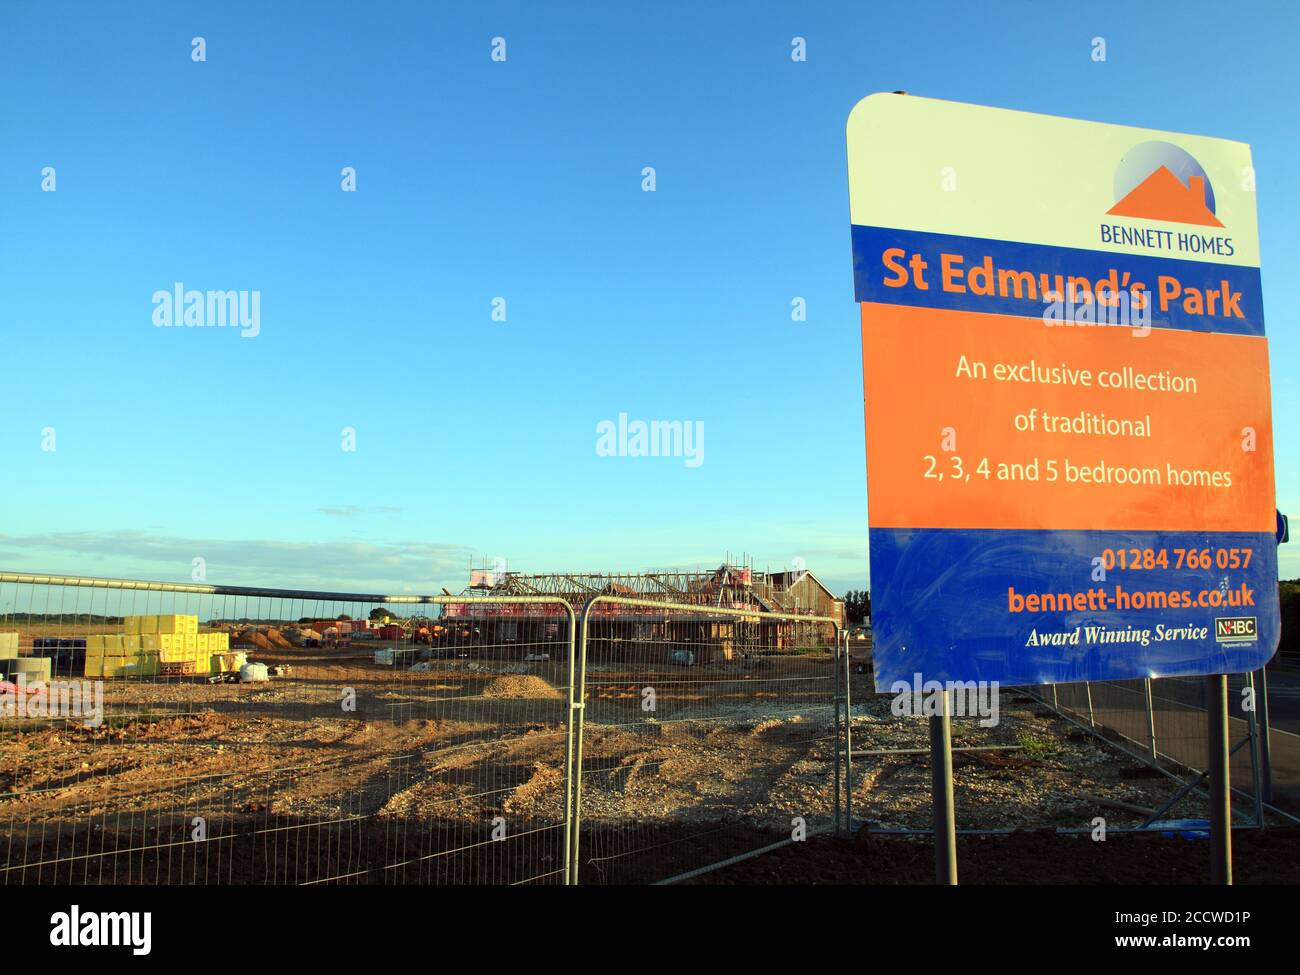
<point x="1019" y="274"/>
<point x="1023" y="607"/>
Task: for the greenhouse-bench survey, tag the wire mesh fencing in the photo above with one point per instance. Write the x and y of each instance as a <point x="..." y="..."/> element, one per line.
<point x="1064" y="757"/>
<point x="706" y="733"/>
<point x="164" y="733"/>
<point x="1164" y="724"/>
<point x="1015" y="766"/>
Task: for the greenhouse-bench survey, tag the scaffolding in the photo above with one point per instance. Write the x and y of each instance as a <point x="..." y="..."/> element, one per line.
<point x="739" y="589"/>
<point x="727" y="586"/>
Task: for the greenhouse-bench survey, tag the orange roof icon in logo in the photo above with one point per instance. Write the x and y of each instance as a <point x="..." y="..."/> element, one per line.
<point x="1163" y="196"/>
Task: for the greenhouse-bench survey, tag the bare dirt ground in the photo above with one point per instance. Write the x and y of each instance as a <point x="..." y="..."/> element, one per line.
<point x="1269" y="857"/>
<point x="417" y="780"/>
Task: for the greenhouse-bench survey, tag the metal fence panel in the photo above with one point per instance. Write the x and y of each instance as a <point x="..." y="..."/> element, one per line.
<point x="434" y="750"/>
<point x="1164" y="723"/>
<point x="520" y="739"/>
<point x="1062" y="756"/>
<point x="706" y="734"/>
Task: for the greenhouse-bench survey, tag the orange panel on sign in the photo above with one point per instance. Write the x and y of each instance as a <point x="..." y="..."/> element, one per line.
<point x="1063" y="427"/>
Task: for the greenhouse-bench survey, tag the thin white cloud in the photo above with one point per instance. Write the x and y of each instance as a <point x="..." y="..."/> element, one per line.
<point x="350" y="565"/>
<point x="353" y="510"/>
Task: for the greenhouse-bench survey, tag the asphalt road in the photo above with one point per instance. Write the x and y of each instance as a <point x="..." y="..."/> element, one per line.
<point x="1284" y="698"/>
<point x="1181" y="730"/>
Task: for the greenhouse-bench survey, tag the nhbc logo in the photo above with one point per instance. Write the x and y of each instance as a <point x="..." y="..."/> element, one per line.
<point x="1161" y="181"/>
<point x="1236" y="629"/>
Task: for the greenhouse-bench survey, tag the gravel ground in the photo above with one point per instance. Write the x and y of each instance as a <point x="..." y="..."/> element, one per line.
<point x="442" y="754"/>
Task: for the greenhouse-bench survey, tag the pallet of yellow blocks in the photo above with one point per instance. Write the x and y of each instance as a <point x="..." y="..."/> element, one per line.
<point x="153" y="646"/>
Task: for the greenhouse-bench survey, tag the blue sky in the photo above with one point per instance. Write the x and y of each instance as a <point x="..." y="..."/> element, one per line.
<point x="519" y="179"/>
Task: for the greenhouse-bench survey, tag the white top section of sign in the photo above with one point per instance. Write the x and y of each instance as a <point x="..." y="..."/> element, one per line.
<point x="945" y="167"/>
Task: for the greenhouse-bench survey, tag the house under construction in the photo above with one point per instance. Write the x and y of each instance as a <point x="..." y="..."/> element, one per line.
<point x="794" y="593"/>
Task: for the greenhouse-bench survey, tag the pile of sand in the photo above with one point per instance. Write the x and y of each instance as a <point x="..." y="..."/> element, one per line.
<point x="543" y="789"/>
<point x="256" y="639"/>
<point x="521" y="686"/>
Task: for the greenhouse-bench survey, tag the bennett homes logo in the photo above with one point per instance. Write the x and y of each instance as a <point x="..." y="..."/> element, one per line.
<point x="1160" y="181"/>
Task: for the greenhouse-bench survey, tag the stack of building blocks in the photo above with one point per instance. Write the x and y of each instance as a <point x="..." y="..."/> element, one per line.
<point x="8" y="649"/>
<point x="105" y="655"/>
<point x="152" y="645"/>
<point x="170" y="623"/>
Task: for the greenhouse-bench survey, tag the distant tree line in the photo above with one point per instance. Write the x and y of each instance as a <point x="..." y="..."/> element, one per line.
<point x="78" y="618"/>
<point x="857" y="606"/>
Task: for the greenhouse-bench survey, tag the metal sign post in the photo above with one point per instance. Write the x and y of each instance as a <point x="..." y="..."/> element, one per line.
<point x="1265" y="745"/>
<point x="1216" y="705"/>
<point x="945" y="820"/>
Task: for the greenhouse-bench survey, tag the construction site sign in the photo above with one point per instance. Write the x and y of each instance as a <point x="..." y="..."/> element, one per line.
<point x="1069" y="439"/>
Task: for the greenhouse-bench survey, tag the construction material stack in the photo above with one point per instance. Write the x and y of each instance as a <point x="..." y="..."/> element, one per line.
<point x="8" y="656"/>
<point x="151" y="646"/>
